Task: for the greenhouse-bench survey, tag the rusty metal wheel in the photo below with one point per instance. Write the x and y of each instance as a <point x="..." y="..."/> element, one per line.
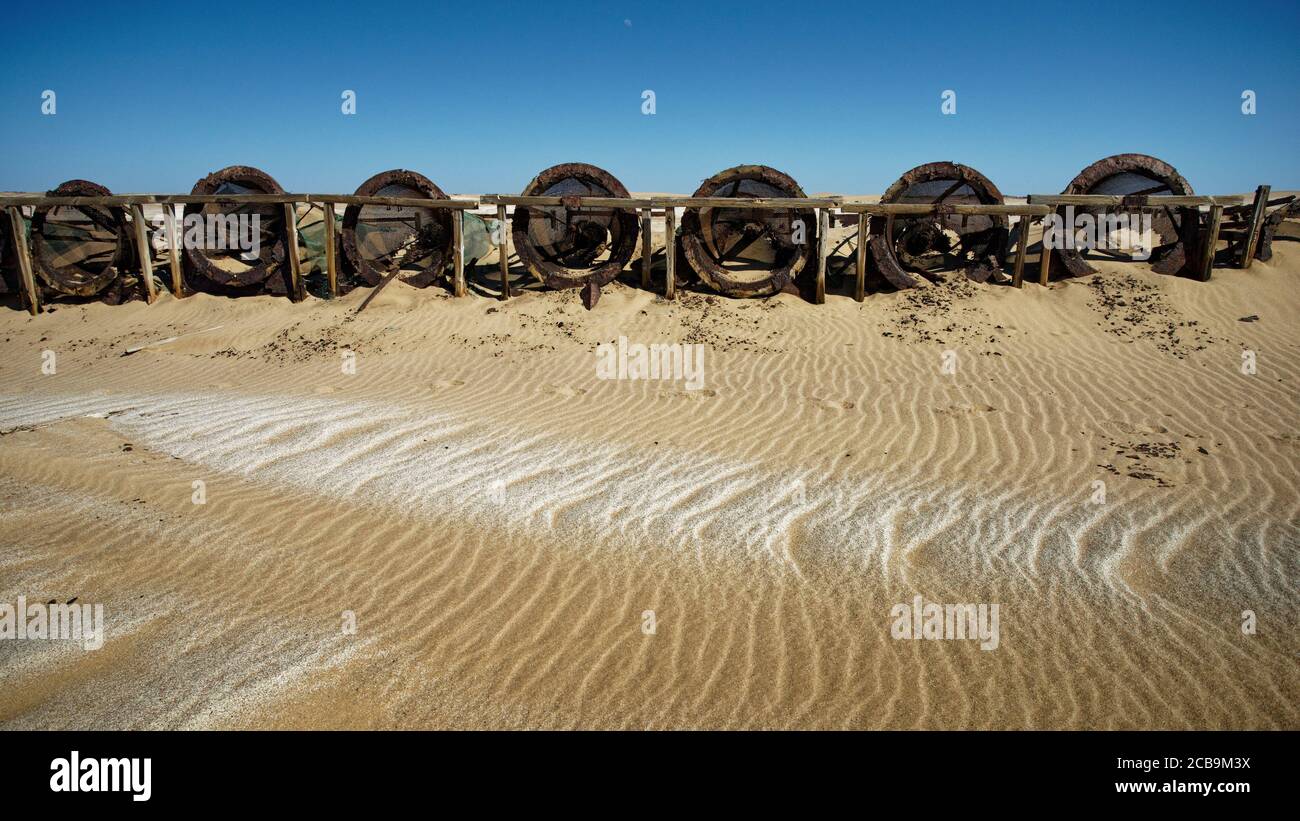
<point x="1133" y="174"/>
<point x="79" y="250"/>
<point x="220" y="262"/>
<point x="571" y="247"/>
<point x="379" y="238"/>
<point x="908" y="248"/>
<point x="748" y="252"/>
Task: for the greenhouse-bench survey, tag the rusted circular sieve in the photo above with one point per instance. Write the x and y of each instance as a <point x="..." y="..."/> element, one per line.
<point x="79" y="250"/>
<point x="568" y="247"/>
<point x="1128" y="175"/>
<point x="906" y="248"/>
<point x="748" y="252"/>
<point x="227" y="230"/>
<point x="380" y="238"/>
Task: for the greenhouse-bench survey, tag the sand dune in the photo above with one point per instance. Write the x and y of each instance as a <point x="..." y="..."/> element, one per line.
<point x="499" y="519"/>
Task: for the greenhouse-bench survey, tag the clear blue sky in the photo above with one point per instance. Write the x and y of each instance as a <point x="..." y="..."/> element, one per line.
<point x="479" y="96"/>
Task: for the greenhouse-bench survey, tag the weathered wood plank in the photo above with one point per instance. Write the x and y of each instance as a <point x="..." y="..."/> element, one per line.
<point x="647" y="247"/>
<point x="503" y="250"/>
<point x="1133" y="201"/>
<point x="1045" y="262"/>
<point x="965" y="209"/>
<point x="458" y="254"/>
<point x="670" y="252"/>
<point x="823" y="255"/>
<point x="141" y="236"/>
<point x="1022" y="242"/>
<point x="860" y="281"/>
<point x="1211" y="240"/>
<point x="18" y="234"/>
<point x="331" y="252"/>
<point x="173" y="251"/>
<point x="296" y="292"/>
<point x="1256" y="224"/>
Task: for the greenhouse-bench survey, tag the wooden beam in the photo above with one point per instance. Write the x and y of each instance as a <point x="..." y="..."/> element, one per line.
<point x="630" y="203"/>
<point x="331" y="253"/>
<point x="1211" y="239"/>
<point x="921" y="208"/>
<point x="670" y="252"/>
<point x="18" y="233"/>
<point x="173" y="251"/>
<point x="1022" y="242"/>
<point x="396" y="202"/>
<point x="761" y="203"/>
<point x="823" y="254"/>
<point x="504" y="251"/>
<point x="1045" y="263"/>
<point x="1134" y="201"/>
<point x="458" y="253"/>
<point x="1256" y="224"/>
<point x="142" y="249"/>
<point x="295" y="263"/>
<point x="125" y="200"/>
<point x="860" y="282"/>
<point x="647" y="247"/>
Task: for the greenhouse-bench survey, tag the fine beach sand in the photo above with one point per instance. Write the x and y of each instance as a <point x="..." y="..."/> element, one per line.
<point x="498" y="519"/>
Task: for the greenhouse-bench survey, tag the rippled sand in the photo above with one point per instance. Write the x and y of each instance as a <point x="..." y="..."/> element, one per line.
<point x="499" y="520"/>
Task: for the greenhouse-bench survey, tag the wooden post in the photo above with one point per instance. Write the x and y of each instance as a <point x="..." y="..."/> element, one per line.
<point x="504" y="251"/>
<point x="823" y="254"/>
<point x="19" y="236"/>
<point x="647" y="248"/>
<point x="142" y="249"/>
<point x="173" y="250"/>
<point x="1211" y="239"/>
<point x="331" y="255"/>
<point x="1045" y="264"/>
<point x="458" y="252"/>
<point x="1022" y="242"/>
<point x="295" y="264"/>
<point x="1256" y="223"/>
<point x="860" y="284"/>
<point x="670" y="252"/>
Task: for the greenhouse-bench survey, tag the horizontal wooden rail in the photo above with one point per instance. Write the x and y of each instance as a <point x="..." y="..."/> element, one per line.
<point x="665" y="202"/>
<point x="1135" y="200"/>
<point x="235" y="199"/>
<point x="397" y="202"/>
<point x="546" y="202"/>
<point x="906" y="208"/>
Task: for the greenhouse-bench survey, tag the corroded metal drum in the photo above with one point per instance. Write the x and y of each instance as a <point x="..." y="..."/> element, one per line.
<point x="413" y="243"/>
<point x="907" y="249"/>
<point x="79" y="250"/>
<point x="224" y="260"/>
<point x="572" y="246"/>
<point x="1135" y="175"/>
<point x="749" y="252"/>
